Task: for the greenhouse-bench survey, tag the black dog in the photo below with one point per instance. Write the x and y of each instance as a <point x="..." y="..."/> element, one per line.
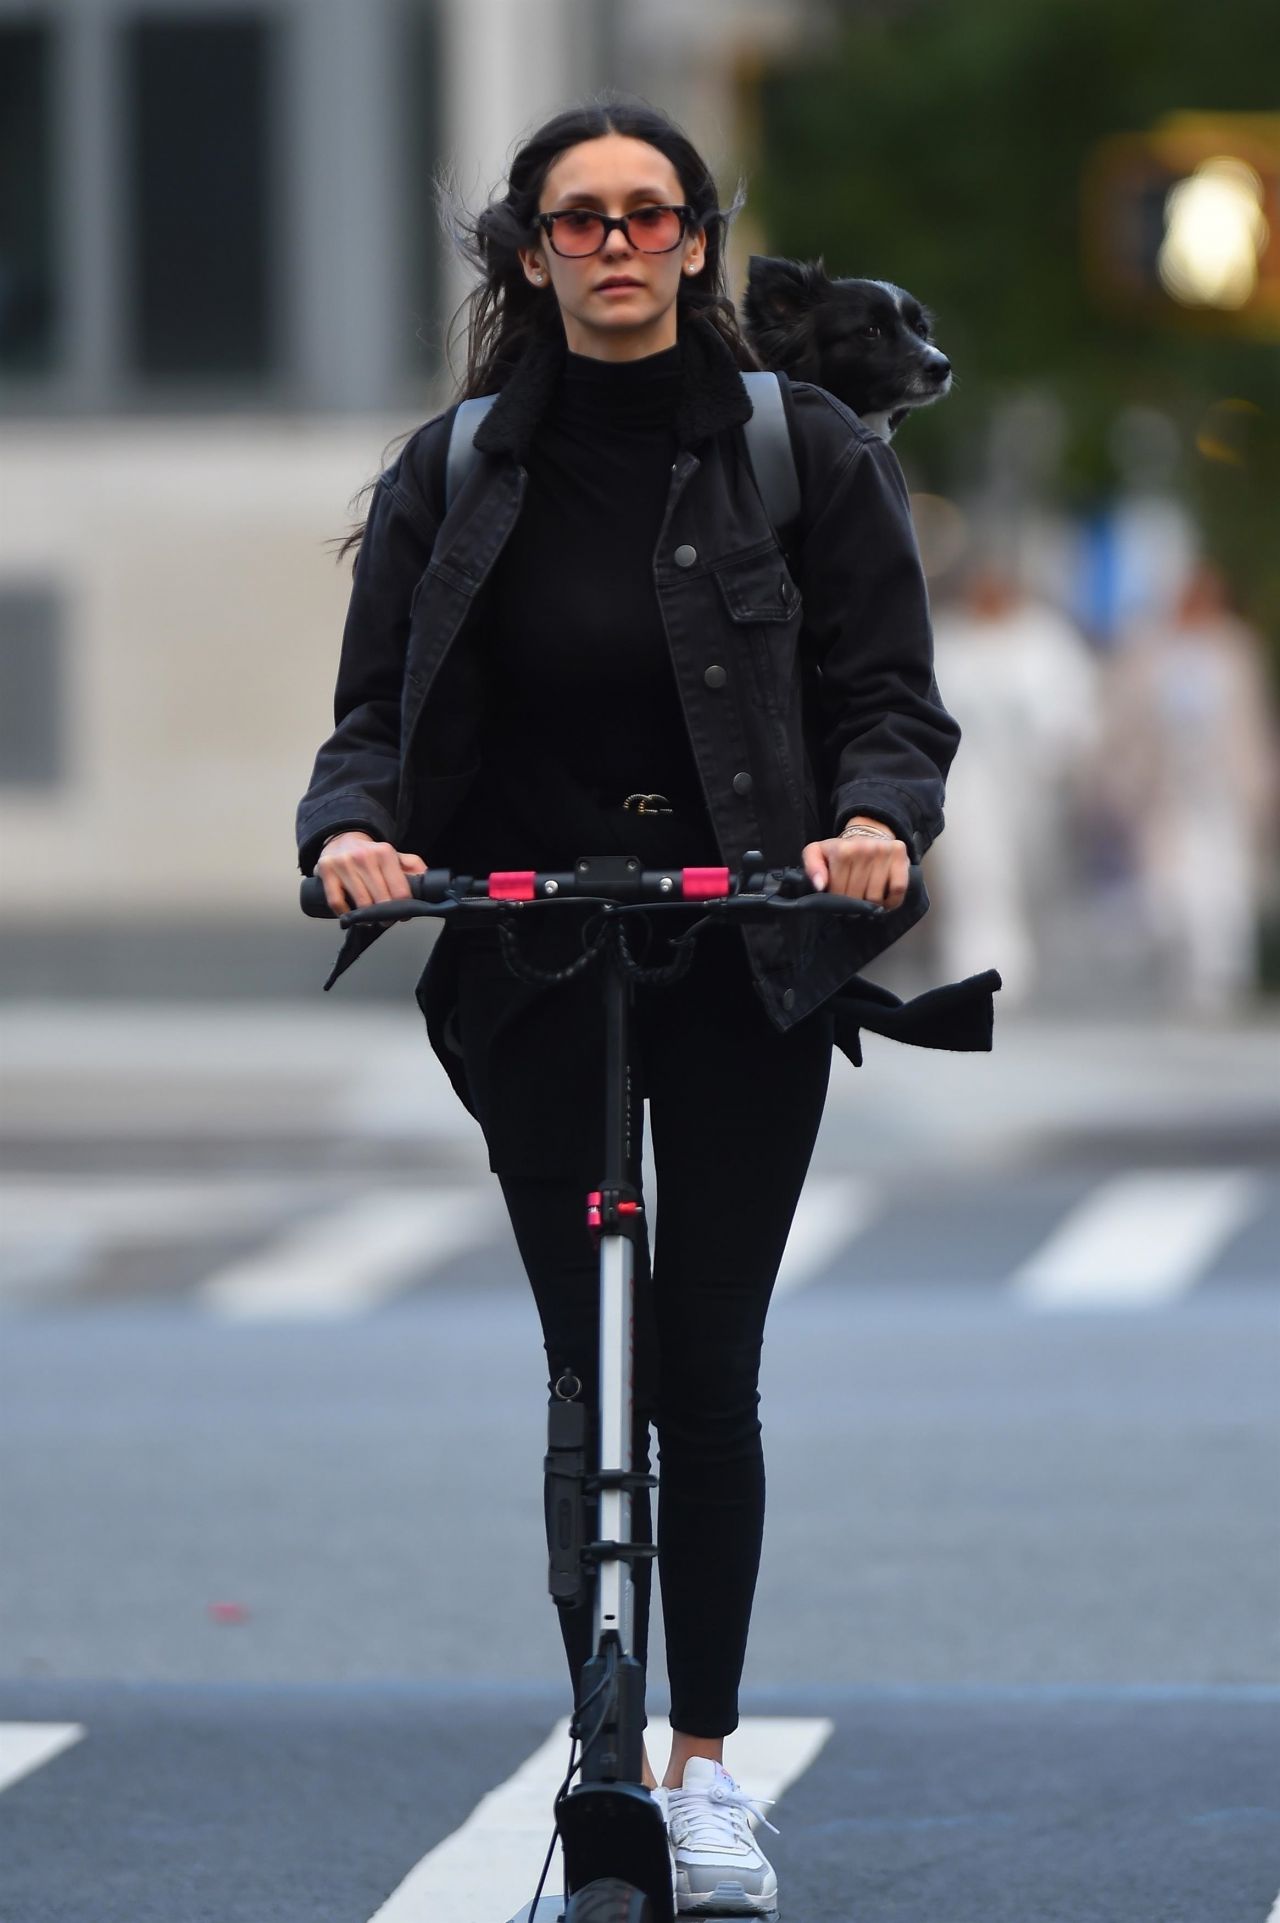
<point x="866" y="341"/>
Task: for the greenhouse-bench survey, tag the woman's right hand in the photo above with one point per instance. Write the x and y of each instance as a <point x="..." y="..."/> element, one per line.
<point x="367" y="870"/>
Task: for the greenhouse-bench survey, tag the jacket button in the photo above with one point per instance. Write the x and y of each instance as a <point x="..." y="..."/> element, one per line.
<point x="788" y="998"/>
<point x="742" y="784"/>
<point x="685" y="556"/>
<point x="715" y="677"/>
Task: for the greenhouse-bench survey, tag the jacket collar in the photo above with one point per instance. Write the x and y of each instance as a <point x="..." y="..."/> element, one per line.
<point x="711" y="398"/>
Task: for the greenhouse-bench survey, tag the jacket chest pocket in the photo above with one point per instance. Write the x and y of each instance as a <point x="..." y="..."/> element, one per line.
<point x="758" y="589"/>
<point x="764" y="605"/>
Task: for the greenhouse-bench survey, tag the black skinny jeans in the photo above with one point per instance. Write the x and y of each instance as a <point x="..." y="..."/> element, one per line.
<point x="734" y="1106"/>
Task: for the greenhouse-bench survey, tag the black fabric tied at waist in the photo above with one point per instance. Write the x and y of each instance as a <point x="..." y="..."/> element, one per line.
<point x="954" y="1015"/>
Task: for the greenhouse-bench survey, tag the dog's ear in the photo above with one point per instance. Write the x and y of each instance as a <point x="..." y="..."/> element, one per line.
<point x="781" y="292"/>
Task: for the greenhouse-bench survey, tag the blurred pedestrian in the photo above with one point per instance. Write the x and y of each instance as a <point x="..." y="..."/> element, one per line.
<point x="1189" y="769"/>
<point x="1022" y="682"/>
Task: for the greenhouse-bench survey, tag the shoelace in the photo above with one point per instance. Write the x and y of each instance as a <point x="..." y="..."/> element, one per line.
<point x="705" y="1825"/>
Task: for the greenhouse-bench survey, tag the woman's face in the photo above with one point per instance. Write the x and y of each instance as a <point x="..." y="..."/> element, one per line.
<point x="614" y="175"/>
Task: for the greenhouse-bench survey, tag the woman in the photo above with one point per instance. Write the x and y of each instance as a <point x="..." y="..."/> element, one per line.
<point x="605" y="615"/>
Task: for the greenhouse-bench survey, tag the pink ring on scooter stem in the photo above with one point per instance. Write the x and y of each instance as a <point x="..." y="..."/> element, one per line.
<point x="702" y="884"/>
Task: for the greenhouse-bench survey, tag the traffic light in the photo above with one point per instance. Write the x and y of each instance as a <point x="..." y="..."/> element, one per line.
<point x="1181" y="225"/>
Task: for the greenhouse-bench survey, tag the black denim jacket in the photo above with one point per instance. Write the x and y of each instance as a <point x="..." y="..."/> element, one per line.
<point x="807" y="686"/>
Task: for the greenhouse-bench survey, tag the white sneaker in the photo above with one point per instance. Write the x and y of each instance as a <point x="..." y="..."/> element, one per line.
<point x="720" y="1869"/>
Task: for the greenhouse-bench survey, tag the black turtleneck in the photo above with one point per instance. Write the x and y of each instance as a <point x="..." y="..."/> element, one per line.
<point x="584" y="707"/>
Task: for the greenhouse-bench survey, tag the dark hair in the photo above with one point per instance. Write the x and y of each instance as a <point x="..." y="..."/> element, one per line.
<point x="504" y="313"/>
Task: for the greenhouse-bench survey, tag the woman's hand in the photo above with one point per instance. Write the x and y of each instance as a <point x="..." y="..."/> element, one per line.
<point x="858" y="865"/>
<point x="368" y="870"/>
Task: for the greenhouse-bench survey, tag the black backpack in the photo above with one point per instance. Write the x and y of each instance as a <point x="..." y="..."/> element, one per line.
<point x="773" y="460"/>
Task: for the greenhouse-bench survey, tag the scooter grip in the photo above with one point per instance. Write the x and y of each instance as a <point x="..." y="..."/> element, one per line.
<point x="429" y="886"/>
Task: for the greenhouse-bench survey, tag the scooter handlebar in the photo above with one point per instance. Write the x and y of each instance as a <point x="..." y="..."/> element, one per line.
<point x="754" y="887"/>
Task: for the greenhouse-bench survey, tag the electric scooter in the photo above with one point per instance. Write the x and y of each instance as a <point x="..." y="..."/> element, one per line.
<point x="617" y="1860"/>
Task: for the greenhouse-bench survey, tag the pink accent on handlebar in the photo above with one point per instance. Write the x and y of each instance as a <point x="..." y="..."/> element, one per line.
<point x="511" y="884"/>
<point x="701" y="884"/>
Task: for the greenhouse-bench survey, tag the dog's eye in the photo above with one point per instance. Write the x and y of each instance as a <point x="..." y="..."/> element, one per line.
<point x="922" y="329"/>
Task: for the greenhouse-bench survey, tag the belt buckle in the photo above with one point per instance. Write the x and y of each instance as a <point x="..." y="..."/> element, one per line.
<point x="641" y="809"/>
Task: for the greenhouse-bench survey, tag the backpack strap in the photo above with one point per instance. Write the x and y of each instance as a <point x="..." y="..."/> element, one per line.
<point x="768" y="435"/>
<point x="773" y="460"/>
<point x="462" y="453"/>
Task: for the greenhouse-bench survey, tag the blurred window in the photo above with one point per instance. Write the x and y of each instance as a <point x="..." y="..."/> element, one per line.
<point x="204" y="223"/>
<point x="26" y="196"/>
<point x="32" y="749"/>
<point x="421" y="71"/>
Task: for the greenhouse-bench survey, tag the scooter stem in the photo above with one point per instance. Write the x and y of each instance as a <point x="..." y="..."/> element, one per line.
<point x="615" y="1218"/>
<point x="609" y="1824"/>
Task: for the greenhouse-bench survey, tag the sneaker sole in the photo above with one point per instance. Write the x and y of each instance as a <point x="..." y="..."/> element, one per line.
<point x="727" y="1899"/>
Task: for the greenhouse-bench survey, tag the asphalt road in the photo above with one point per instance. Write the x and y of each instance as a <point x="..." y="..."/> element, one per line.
<point x="274" y="1636"/>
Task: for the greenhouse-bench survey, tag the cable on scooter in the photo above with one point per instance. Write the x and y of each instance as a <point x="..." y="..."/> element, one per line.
<point x="509" y="942"/>
<point x="607" y="1681"/>
<point x="595" y="934"/>
<point x="680" y="963"/>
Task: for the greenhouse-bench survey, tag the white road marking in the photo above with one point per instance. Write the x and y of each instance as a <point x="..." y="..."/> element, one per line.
<point x="101" y="1209"/>
<point x="28" y="1746"/>
<point x="832" y="1211"/>
<point x="490" y="1866"/>
<point x="53" y="1227"/>
<point x="342" y="1261"/>
<point x="198" y="1069"/>
<point x="1138" y="1239"/>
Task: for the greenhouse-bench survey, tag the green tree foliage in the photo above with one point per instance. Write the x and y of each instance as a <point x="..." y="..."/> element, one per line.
<point x="942" y="146"/>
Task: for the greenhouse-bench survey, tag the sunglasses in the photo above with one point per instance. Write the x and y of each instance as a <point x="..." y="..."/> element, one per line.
<point x="650" y="230"/>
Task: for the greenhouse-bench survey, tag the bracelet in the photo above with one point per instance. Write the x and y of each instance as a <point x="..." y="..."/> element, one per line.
<point x="852" y="829"/>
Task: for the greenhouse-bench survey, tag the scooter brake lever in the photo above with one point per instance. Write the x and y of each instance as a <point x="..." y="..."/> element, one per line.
<point x="821" y="902"/>
<point x="379" y="912"/>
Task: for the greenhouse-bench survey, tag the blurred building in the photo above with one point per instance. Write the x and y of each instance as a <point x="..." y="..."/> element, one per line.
<point x="223" y="292"/>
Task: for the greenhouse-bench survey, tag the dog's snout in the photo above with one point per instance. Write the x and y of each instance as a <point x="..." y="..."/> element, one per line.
<point x="941" y="368"/>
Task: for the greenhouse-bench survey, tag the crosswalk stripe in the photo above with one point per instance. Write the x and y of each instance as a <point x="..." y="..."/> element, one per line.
<point x="53" y="1227"/>
<point x="490" y="1866"/>
<point x="832" y="1211"/>
<point x="1138" y="1239"/>
<point x="343" y="1261"/>
<point x="28" y="1746"/>
<point x="105" y="1208"/>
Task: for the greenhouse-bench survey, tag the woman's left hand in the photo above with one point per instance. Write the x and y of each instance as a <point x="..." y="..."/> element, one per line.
<point x="857" y="865"/>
